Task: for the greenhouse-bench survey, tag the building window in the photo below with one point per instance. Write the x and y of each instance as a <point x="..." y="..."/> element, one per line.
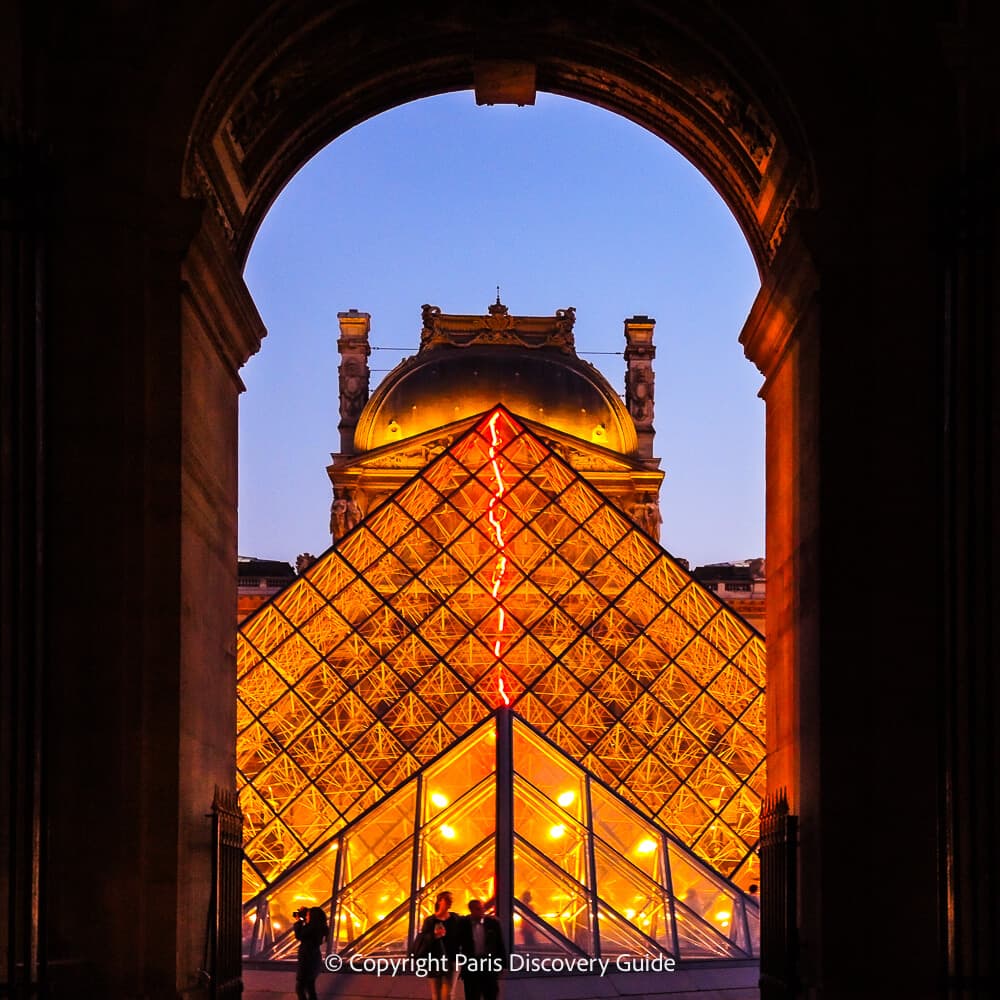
<point x="738" y="586"/>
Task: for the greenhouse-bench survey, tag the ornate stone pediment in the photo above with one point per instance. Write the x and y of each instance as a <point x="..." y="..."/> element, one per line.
<point x="497" y="327"/>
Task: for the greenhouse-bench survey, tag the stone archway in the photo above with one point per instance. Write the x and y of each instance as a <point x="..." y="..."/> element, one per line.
<point x="689" y="79"/>
<point x="271" y="108"/>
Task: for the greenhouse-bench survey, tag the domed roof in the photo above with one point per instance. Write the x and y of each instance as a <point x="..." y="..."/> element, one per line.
<point x="468" y="364"/>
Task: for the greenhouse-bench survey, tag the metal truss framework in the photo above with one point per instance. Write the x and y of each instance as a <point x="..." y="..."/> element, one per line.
<point x="498" y="575"/>
<point x="586" y="873"/>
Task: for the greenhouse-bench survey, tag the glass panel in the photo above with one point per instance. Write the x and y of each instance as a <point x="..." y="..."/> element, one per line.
<point x="640" y="900"/>
<point x="525" y="452"/>
<point x="691" y="604"/>
<point x="309" y="885"/>
<point x="252" y="882"/>
<point x="548" y="828"/>
<point x="641" y="604"/>
<point x="373" y="836"/>
<point x="621" y="937"/>
<point x="753" y="923"/>
<point x="697" y="940"/>
<point x="371" y="898"/>
<point x="460" y="770"/>
<point x="549" y="771"/>
<point x="293" y="658"/>
<point x="610" y="576"/>
<point x="389" y="937"/>
<point x="665" y="577"/>
<point x="285" y="946"/>
<point x="636" y="550"/>
<point x="526" y="500"/>
<point x="454" y="830"/>
<point x="737" y="929"/>
<point x="617" y="689"/>
<point x="703" y="894"/>
<point x="260" y="688"/>
<point x="440" y="688"/>
<point x="445" y="474"/>
<point x="256" y="940"/>
<point x="275" y="849"/>
<point x="614" y="631"/>
<point x="533" y="936"/>
<point x="552" y="525"/>
<point x="546" y="890"/>
<point x="627" y="832"/>
<point x="312" y="816"/>
<point x="471" y="877"/>
<point x="266" y="629"/>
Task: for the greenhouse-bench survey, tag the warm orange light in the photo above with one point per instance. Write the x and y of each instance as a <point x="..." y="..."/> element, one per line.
<point x="555" y="832"/>
<point x="646" y="846"/>
<point x="447" y="831"/>
<point x="496" y="514"/>
<point x="570" y="534"/>
<point x="566" y="798"/>
<point x="439" y="800"/>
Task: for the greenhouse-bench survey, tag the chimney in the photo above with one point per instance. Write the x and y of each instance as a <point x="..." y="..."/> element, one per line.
<point x="354" y="373"/>
<point x="639" y="354"/>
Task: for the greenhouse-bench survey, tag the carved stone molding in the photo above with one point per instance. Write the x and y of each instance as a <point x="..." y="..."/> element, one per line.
<point x="747" y="122"/>
<point x="786" y="296"/>
<point x="498" y="326"/>
<point x="214" y="289"/>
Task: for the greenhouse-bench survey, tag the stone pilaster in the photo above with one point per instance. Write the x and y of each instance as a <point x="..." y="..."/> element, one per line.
<point x="354" y="373"/>
<point x="639" y="354"/>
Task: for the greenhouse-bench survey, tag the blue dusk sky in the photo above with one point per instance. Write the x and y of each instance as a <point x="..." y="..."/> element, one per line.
<point x="560" y="204"/>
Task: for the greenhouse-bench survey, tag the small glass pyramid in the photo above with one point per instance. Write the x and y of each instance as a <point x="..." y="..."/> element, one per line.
<point x="586" y="873"/>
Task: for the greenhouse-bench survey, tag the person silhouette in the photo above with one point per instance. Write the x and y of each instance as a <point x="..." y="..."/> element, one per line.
<point x="481" y="941"/>
<point x="438" y="939"/>
<point x="528" y="933"/>
<point x="311" y="930"/>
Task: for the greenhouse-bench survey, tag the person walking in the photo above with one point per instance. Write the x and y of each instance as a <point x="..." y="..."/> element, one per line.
<point x="481" y="942"/>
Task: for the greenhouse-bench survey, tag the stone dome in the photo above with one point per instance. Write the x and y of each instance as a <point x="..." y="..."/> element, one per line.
<point x="526" y="363"/>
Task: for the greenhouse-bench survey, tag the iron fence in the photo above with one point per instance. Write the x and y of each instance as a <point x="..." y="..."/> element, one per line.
<point x="778" y="899"/>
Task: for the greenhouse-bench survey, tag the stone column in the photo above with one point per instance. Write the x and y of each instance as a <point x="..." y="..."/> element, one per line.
<point x="639" y="354"/>
<point x="354" y="373"/>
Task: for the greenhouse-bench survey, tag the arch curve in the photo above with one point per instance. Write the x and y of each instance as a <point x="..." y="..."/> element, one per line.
<point x="270" y="109"/>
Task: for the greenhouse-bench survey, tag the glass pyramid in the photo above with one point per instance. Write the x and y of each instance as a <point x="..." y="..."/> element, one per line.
<point x="587" y="874"/>
<point x="497" y="575"/>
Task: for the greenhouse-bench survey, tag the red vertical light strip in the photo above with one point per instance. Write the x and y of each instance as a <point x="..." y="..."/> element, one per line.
<point x="496" y="514"/>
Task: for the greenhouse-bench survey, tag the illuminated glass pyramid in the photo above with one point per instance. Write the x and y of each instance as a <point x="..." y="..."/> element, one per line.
<point x="497" y="574"/>
<point x="577" y="872"/>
